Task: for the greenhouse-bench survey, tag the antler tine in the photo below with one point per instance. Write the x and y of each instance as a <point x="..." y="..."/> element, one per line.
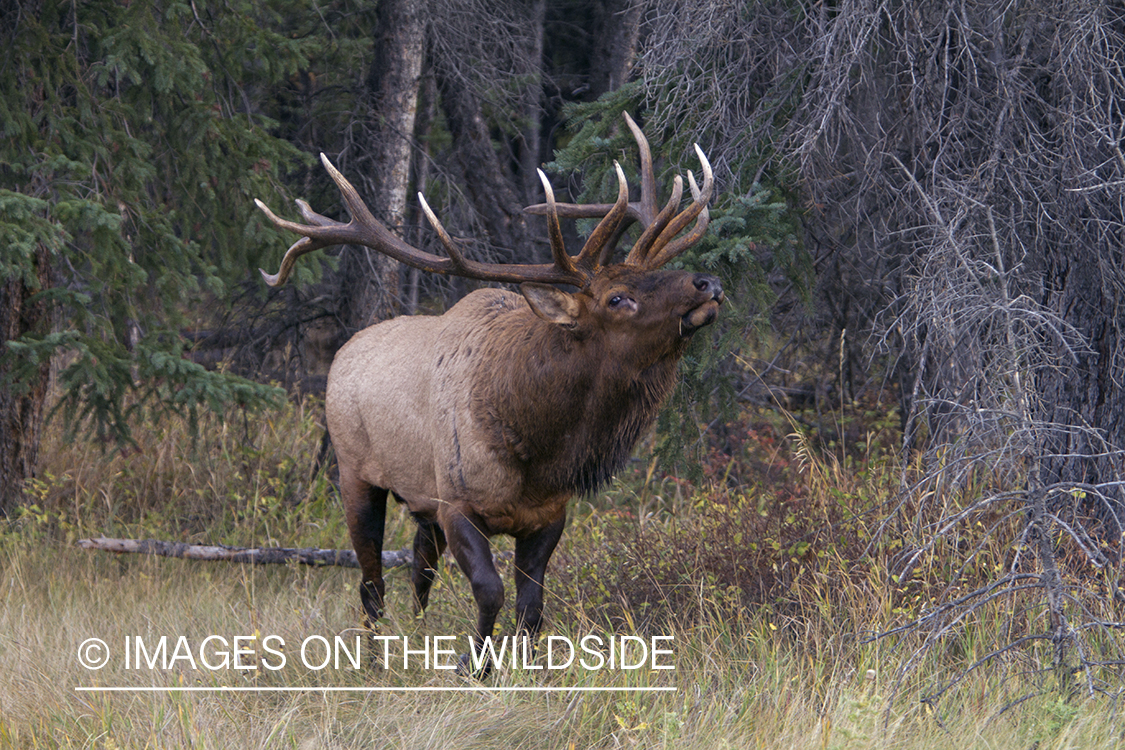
<point x="584" y="210"/>
<point x="454" y="252"/>
<point x="363" y="229"/>
<point x="298" y="248"/>
<point x="554" y="231"/>
<point x="596" y="243"/>
<point x="652" y="231"/>
<point x="357" y="209"/>
<point x="666" y="247"/>
<point x="647" y="204"/>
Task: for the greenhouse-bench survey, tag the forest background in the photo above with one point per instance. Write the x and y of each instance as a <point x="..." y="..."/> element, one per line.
<point x="913" y="402"/>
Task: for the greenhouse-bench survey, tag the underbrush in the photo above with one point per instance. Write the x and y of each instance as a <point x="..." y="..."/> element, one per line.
<point x="770" y="580"/>
<point x="237" y="482"/>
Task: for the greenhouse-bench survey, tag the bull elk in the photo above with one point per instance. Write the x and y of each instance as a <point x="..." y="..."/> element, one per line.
<point x="487" y="419"/>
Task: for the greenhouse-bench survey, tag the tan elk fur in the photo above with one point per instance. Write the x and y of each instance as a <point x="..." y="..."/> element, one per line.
<point x="492" y="407"/>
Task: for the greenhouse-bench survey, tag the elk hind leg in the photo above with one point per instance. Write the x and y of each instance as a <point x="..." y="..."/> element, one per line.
<point x="365" y="509"/>
<point x="429" y="543"/>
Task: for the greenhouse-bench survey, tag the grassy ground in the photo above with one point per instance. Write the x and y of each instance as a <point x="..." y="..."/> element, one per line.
<point x="768" y="617"/>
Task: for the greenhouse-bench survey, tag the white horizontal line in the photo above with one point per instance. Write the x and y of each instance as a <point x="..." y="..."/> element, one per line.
<point x="407" y="689"/>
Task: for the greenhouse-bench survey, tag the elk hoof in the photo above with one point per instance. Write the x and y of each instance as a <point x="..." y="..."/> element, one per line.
<point x="465" y="668"/>
<point x="372" y="602"/>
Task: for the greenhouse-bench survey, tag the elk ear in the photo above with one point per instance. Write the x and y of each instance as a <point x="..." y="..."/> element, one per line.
<point x="551" y="304"/>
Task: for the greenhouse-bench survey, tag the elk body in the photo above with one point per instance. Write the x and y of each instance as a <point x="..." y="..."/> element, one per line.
<point x="487" y="419"/>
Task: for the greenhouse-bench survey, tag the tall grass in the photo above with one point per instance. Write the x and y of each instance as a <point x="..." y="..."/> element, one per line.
<point x="770" y="594"/>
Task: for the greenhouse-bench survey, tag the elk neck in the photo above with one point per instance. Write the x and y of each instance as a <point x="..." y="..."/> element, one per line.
<point x="566" y="408"/>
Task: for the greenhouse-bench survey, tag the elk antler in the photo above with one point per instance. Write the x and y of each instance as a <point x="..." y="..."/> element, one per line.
<point x="657" y="244"/>
<point x="364" y="229"/>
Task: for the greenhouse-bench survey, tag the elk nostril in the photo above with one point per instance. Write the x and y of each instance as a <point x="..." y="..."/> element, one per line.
<point x="709" y="284"/>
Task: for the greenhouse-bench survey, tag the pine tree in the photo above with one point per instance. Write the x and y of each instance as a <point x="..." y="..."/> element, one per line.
<point x="133" y="142"/>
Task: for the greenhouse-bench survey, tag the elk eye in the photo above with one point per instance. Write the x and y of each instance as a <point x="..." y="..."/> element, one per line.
<point x="621" y="302"/>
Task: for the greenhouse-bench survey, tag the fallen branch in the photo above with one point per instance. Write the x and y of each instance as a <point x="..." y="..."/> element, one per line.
<point x="255" y="556"/>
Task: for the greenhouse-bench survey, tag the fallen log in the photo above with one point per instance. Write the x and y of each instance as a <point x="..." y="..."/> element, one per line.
<point x="253" y="555"/>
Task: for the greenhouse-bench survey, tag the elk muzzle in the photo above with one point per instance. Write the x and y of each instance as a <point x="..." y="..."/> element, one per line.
<point x="711" y="290"/>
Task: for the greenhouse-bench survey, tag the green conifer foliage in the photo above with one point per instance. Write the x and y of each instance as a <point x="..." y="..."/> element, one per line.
<point x="132" y="142"/>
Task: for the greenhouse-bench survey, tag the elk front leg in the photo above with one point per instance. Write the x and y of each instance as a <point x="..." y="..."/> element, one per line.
<point x="532" y="553"/>
<point x="469" y="545"/>
<point x="429" y="543"/>
<point x="365" y="509"/>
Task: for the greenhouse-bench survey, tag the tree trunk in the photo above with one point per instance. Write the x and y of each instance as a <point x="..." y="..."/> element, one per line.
<point x="615" y="45"/>
<point x="1085" y="390"/>
<point x="370" y="281"/>
<point x="419" y="226"/>
<point x="489" y="188"/>
<point x="531" y="142"/>
<point x="22" y="404"/>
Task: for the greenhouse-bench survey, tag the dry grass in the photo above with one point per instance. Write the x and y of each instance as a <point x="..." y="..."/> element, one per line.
<point x="789" y="671"/>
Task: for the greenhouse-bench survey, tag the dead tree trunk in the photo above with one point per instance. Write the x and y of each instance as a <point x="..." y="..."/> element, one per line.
<point x="314" y="556"/>
<point x="255" y="556"/>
